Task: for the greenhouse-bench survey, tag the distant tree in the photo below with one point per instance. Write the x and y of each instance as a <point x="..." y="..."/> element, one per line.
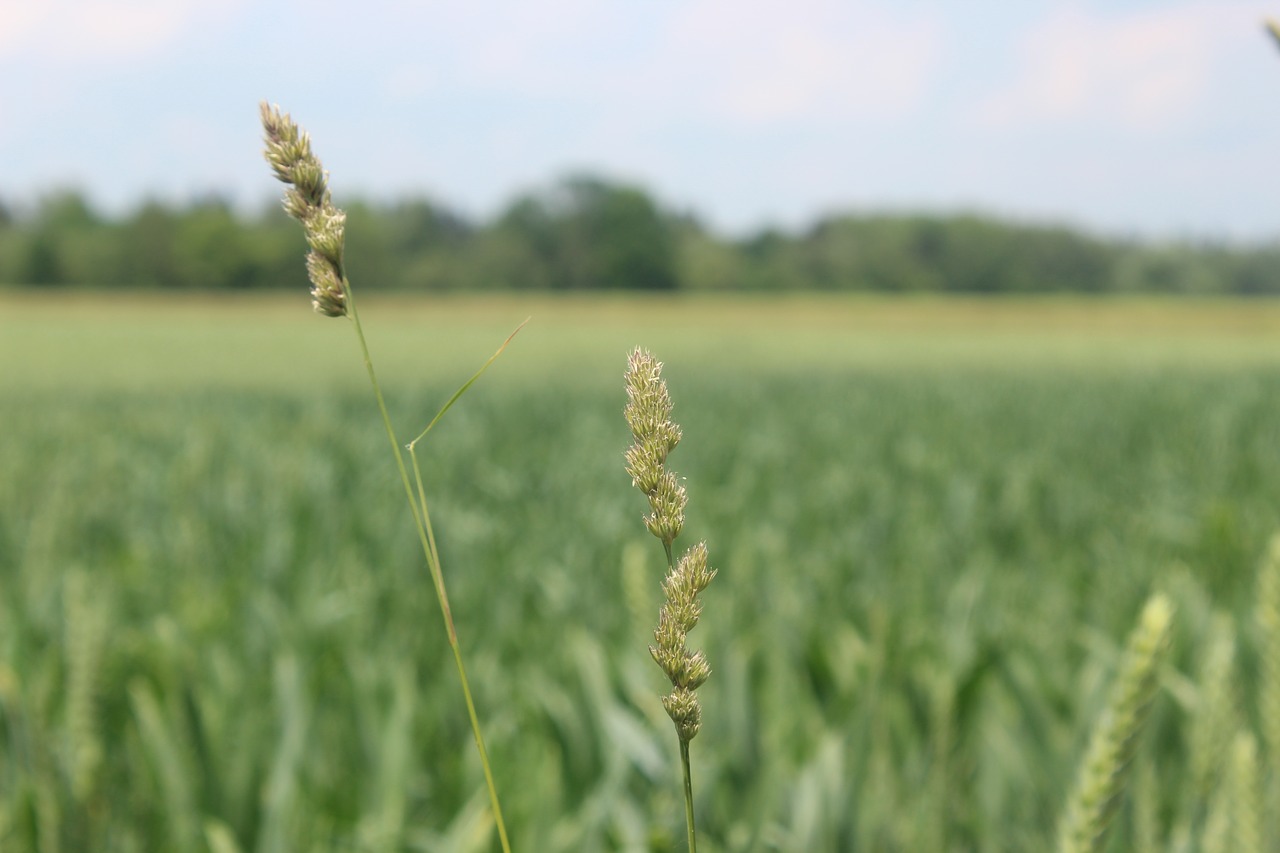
<point x="771" y="262"/>
<point x="971" y="254"/>
<point x="585" y="233"/>
<point x="210" y="249"/>
<point x="1169" y="268"/>
<point x="65" y="210"/>
<point x="388" y="244"/>
<point x="1061" y="260"/>
<point x="273" y="245"/>
<point x="588" y="233"/>
<point x="147" y="240"/>
<point x="624" y="238"/>
<point x="38" y="262"/>
<point x="417" y="225"/>
<point x="64" y="243"/>
<point x="703" y="261"/>
<point x="368" y="249"/>
<point x="881" y="253"/>
<point x="519" y="251"/>
<point x="1254" y="273"/>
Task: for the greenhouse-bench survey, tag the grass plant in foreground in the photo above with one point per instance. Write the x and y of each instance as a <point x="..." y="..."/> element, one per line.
<point x="648" y="413"/>
<point x="288" y="150"/>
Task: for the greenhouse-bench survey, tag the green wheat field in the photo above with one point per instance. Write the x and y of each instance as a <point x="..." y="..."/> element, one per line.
<point x="935" y="523"/>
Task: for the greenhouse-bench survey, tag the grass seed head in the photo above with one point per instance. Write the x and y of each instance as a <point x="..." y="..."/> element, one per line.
<point x="683" y="709"/>
<point x="668" y="500"/>
<point x="288" y="151"/>
<point x="648" y="413"/>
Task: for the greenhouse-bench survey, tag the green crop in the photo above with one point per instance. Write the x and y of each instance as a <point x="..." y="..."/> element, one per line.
<point x="932" y="570"/>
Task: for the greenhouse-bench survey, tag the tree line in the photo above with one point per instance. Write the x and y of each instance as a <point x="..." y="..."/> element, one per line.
<point x="585" y="233"/>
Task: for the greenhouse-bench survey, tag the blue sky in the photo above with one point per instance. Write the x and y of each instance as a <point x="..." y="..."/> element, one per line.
<point x="1125" y="117"/>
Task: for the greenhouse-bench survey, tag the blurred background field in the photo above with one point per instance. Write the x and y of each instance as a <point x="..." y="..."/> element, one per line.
<point x="935" y="520"/>
<point x="85" y="341"/>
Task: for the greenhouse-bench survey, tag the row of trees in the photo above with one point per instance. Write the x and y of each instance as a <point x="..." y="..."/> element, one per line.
<point x="584" y="233"/>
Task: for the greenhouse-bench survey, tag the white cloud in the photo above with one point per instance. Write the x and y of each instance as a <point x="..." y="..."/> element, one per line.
<point x="1143" y="70"/>
<point x="72" y="31"/>
<point x="786" y="60"/>
<point x="757" y="63"/>
<point x="552" y="47"/>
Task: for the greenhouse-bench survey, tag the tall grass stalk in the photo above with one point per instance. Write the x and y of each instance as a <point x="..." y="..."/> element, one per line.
<point x="648" y="413"/>
<point x="288" y="150"/>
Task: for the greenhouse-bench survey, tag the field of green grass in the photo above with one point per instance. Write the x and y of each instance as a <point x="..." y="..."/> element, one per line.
<point x="935" y="522"/>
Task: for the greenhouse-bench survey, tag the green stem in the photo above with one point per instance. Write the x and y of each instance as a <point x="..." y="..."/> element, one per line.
<point x="382" y="407"/>
<point x="437" y="576"/>
<point x="422" y="520"/>
<point x="688" y="795"/>
<point x="684" y="744"/>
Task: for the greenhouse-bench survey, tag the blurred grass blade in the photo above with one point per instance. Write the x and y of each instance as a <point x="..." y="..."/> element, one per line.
<point x="220" y="838"/>
<point x="172" y="773"/>
<point x="278" y="800"/>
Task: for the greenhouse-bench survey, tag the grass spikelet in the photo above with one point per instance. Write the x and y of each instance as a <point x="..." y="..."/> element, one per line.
<point x="648" y="413"/>
<point x="288" y="150"/>
<point x="1113" y="744"/>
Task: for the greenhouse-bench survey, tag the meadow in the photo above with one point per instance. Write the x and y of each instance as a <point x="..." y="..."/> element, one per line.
<point x="935" y="521"/>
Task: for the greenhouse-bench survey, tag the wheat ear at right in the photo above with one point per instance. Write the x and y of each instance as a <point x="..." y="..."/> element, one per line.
<point x="1104" y="774"/>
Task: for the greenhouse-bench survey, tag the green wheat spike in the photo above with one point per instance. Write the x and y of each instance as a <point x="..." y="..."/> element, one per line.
<point x="1267" y="615"/>
<point x="1111" y="749"/>
<point x="85" y="627"/>
<point x="1146" y="808"/>
<point x="219" y="837"/>
<point x="173" y="774"/>
<point x="1215" y="716"/>
<point x="1244" y="786"/>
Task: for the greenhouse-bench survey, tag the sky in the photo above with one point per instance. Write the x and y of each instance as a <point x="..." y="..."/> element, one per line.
<point x="1128" y="117"/>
